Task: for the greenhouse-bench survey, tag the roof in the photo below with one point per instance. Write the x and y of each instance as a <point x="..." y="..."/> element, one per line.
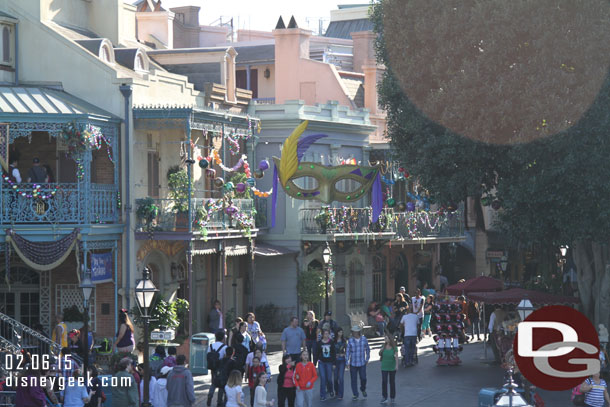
<point x="478" y="284"/>
<point x="268" y="250"/>
<point x="344" y="29"/>
<point x="92" y="45"/>
<point x="515" y="295"/>
<point x="3" y="14"/>
<point x="189" y="50"/>
<point x="355" y="89"/>
<point x="126" y="56"/>
<point x="45" y="101"/>
<point x="255" y="53"/>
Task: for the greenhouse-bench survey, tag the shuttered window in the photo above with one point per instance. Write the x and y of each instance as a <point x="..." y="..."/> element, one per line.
<point x="153" y="174"/>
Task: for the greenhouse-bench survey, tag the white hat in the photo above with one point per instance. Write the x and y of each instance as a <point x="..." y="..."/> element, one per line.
<point x="356" y="328"/>
<point x="165" y="370"/>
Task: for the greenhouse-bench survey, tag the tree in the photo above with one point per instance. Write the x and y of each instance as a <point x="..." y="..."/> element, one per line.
<point x="552" y="189"/>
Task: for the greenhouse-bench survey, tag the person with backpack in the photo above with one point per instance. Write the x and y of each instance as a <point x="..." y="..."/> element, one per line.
<point x="254" y="373"/>
<point x="286" y="390"/>
<point x="156" y="360"/>
<point x="221" y="376"/>
<point x="596" y="391"/>
<point x="216" y="353"/>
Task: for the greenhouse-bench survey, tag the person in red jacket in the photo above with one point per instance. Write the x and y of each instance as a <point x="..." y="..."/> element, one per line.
<point x="305" y="376"/>
<point x="254" y="371"/>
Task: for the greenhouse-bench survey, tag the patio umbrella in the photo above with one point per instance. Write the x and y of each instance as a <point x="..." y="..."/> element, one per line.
<point x="477" y="284"/>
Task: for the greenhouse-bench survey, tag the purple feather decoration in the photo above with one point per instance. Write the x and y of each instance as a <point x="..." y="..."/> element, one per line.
<point x="305" y="142"/>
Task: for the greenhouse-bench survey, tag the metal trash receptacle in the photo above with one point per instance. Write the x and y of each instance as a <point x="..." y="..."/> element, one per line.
<point x="198" y="358"/>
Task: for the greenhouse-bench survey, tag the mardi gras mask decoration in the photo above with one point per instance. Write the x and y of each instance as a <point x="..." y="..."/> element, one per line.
<point x="289" y="168"/>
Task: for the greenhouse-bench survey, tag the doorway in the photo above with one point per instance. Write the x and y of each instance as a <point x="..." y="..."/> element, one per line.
<point x="22" y="301"/>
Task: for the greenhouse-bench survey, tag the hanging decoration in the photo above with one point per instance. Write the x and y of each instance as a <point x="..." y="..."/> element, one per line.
<point x="43" y="256"/>
<point x="244" y="221"/>
<point x="289" y="167"/>
<point x="79" y="140"/>
<point x="35" y="193"/>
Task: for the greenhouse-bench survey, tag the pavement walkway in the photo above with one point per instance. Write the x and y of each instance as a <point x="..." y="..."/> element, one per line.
<point x="424" y="385"/>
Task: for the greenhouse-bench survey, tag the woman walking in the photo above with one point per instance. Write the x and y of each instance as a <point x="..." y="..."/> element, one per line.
<point x="286" y="390"/>
<point x="242" y="342"/>
<point x="233" y="392"/>
<point x="125" y="340"/>
<point x="305" y="377"/>
<point x="428" y="305"/>
<point x="474" y="316"/>
<point x="389" y="365"/>
<point x="325" y="349"/>
<point x="596" y="391"/>
<point x="260" y="395"/>
<point x="340" y="347"/>
<point x="310" y="326"/>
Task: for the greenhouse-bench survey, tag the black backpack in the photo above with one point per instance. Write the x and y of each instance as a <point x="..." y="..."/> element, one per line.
<point x="214" y="358"/>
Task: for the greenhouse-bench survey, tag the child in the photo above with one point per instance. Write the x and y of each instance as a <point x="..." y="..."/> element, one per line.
<point x="254" y="372"/>
<point x="171" y="359"/>
<point x="262" y="356"/>
<point x="285" y="383"/>
<point x="261" y="393"/>
<point x="596" y="391"/>
<point x="159" y="398"/>
<point x="233" y="391"/>
<point x="304" y="378"/>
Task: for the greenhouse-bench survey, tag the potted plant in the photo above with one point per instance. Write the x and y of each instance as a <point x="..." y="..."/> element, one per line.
<point x="147" y="211"/>
<point x="323" y="218"/>
<point x="178" y="184"/>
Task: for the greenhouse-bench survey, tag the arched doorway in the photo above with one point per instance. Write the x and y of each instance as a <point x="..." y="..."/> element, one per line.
<point x="22" y="301"/>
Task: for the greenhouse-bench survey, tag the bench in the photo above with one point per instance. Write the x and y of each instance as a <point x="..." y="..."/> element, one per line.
<point x="361" y="319"/>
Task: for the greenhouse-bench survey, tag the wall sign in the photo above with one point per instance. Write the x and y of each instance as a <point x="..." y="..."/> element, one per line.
<point x="101" y="267"/>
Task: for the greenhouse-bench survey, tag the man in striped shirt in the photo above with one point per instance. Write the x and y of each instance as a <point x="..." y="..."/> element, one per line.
<point x="357" y="356"/>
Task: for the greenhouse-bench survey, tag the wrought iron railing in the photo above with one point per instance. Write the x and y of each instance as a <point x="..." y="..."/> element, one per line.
<point x="344" y="220"/>
<point x="72" y="203"/>
<point x="264" y="101"/>
<point x="395" y="225"/>
<point x="23" y="337"/>
<point x="167" y="218"/>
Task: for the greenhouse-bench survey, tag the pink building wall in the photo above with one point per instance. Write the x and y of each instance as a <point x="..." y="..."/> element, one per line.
<point x="298" y="77"/>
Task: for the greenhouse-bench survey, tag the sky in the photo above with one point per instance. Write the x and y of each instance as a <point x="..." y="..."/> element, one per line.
<point x="263" y="14"/>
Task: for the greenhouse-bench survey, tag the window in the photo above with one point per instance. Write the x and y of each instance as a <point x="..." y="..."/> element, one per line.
<point x="6" y="44"/>
<point x="139" y="63"/>
<point x="356" y="285"/>
<point x="153" y="174"/>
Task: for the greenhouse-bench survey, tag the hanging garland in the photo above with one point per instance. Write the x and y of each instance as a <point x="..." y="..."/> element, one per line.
<point x="243" y="220"/>
<point x="79" y="140"/>
<point x="243" y="162"/>
<point x="36" y="191"/>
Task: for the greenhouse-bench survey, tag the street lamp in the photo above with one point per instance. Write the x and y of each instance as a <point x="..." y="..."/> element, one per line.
<point x="564" y="250"/>
<point x="145" y="292"/>
<point x="87" y="286"/>
<point x="525" y="308"/>
<point x="326" y="256"/>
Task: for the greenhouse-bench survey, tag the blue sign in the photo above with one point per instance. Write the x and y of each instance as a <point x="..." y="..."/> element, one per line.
<point x="101" y="268"/>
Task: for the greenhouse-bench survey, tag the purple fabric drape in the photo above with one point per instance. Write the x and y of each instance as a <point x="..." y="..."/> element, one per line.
<point x="274" y="195"/>
<point x="377" y="198"/>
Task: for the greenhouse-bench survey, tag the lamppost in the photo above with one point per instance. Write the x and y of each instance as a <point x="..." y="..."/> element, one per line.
<point x="503" y="265"/>
<point x="87" y="286"/>
<point x="525" y="308"/>
<point x="145" y="292"/>
<point x="326" y="256"/>
<point x="563" y="250"/>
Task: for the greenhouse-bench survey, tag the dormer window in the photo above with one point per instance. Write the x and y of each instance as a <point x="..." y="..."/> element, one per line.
<point x="105" y="54"/>
<point x="7" y="41"/>
<point x="139" y="64"/>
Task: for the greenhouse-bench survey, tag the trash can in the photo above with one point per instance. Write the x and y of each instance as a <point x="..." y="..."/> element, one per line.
<point x="198" y="358"/>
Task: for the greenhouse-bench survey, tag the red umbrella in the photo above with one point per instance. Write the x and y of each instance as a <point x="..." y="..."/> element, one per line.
<point x="477" y="284"/>
<point x="515" y="295"/>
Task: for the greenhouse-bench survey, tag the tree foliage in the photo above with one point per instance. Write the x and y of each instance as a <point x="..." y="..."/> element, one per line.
<point x="311" y="286"/>
<point x="552" y="190"/>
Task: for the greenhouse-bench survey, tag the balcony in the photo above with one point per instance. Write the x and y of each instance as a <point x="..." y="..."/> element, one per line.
<point x="264" y="101"/>
<point x="63" y="203"/>
<point x="160" y="216"/>
<point x="342" y="223"/>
